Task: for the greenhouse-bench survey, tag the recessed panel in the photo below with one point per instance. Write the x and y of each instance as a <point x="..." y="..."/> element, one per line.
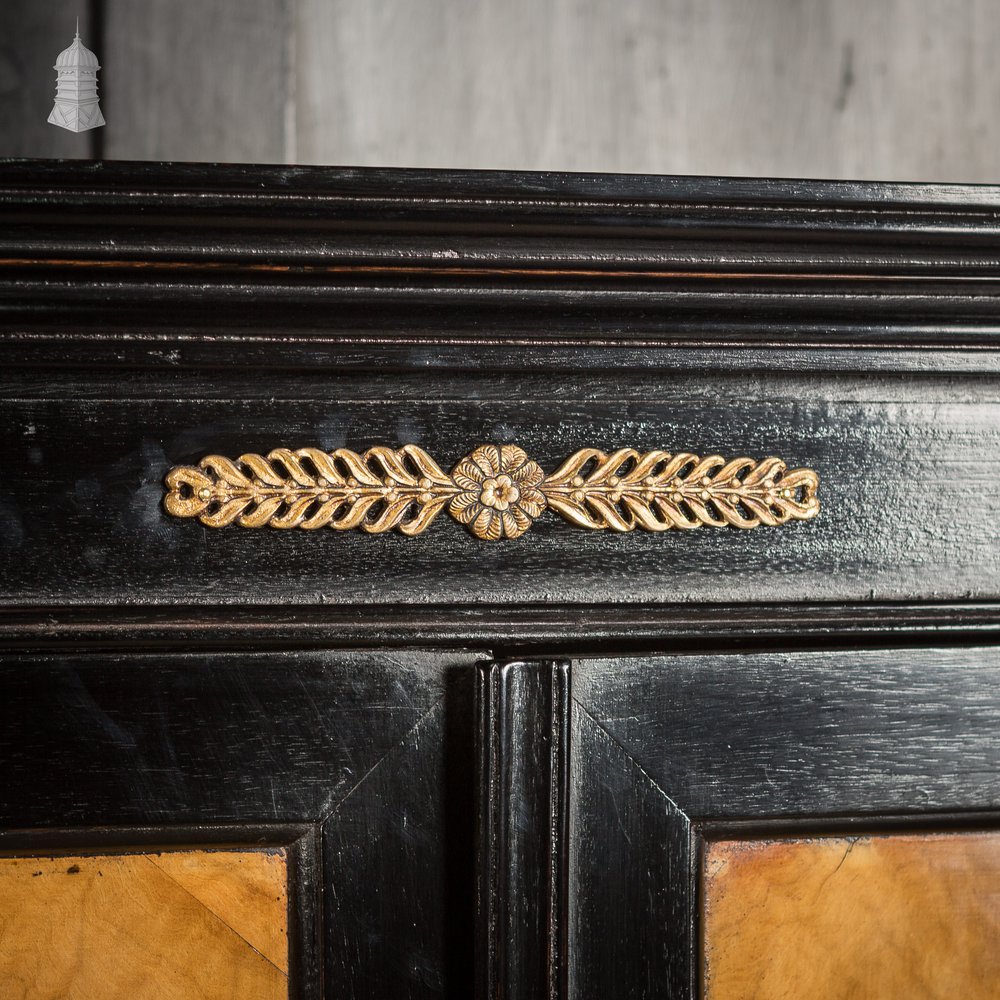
<point x="838" y="918"/>
<point x="178" y="925"/>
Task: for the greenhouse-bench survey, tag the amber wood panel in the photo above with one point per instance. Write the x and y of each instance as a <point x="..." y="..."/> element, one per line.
<point x="183" y="925"/>
<point x="839" y="918"/>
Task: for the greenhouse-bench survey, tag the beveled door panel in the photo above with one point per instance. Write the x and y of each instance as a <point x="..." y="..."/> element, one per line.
<point x="251" y="825"/>
<point x="799" y="823"/>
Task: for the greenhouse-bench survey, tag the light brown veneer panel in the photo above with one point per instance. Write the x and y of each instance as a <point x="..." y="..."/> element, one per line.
<point x="181" y="925"/>
<point x="839" y="918"/>
<point x="246" y="890"/>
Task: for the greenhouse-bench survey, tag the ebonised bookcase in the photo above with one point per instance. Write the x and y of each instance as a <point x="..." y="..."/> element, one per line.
<point x="588" y="758"/>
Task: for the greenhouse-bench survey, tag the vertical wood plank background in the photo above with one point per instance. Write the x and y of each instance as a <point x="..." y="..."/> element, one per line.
<point x="894" y="89"/>
<point x="197" y="81"/>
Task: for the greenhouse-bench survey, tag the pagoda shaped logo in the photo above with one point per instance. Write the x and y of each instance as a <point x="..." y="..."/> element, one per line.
<point x="76" y="106"/>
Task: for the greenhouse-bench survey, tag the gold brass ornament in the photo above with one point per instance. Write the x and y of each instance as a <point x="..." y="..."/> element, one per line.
<point x="497" y="491"/>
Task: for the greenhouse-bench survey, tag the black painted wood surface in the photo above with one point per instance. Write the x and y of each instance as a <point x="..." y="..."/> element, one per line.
<point x="524" y="756"/>
<point x="154" y="313"/>
<point x="807" y="732"/>
<point x="510" y="629"/>
<point x="167" y="265"/>
<point x="400" y="858"/>
<point x="907" y="471"/>
<point x="631" y="890"/>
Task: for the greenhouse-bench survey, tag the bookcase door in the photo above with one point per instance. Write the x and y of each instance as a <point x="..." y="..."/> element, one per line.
<point x="254" y="825"/>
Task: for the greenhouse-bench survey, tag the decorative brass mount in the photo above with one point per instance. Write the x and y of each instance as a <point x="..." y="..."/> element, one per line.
<point x="497" y="491"/>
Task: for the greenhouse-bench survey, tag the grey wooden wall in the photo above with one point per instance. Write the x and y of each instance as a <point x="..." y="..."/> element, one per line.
<point x="893" y="89"/>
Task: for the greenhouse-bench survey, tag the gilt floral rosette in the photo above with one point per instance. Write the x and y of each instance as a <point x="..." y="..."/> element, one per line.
<point x="500" y="495"/>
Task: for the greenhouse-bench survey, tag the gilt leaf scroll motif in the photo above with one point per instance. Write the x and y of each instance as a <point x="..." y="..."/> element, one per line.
<point x="497" y="491"/>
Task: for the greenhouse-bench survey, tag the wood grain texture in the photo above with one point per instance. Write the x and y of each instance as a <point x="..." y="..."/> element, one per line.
<point x="157" y="313"/>
<point x="349" y="270"/>
<point x="246" y="890"/>
<point x="400" y="859"/>
<point x="846" y="918"/>
<point x="523" y="745"/>
<point x="278" y="736"/>
<point x="630" y="932"/>
<point x="204" y="82"/>
<point x="116" y="927"/>
<point x="783" y="88"/>
<point x="808" y="734"/>
<point x="32" y="35"/>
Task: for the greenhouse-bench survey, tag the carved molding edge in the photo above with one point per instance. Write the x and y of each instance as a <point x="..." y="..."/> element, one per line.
<point x="496" y="491"/>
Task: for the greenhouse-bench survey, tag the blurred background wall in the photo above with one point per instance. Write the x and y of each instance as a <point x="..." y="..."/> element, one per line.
<point x="890" y="89"/>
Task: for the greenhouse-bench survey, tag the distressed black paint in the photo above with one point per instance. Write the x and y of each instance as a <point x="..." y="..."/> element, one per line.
<point x="906" y="472"/>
